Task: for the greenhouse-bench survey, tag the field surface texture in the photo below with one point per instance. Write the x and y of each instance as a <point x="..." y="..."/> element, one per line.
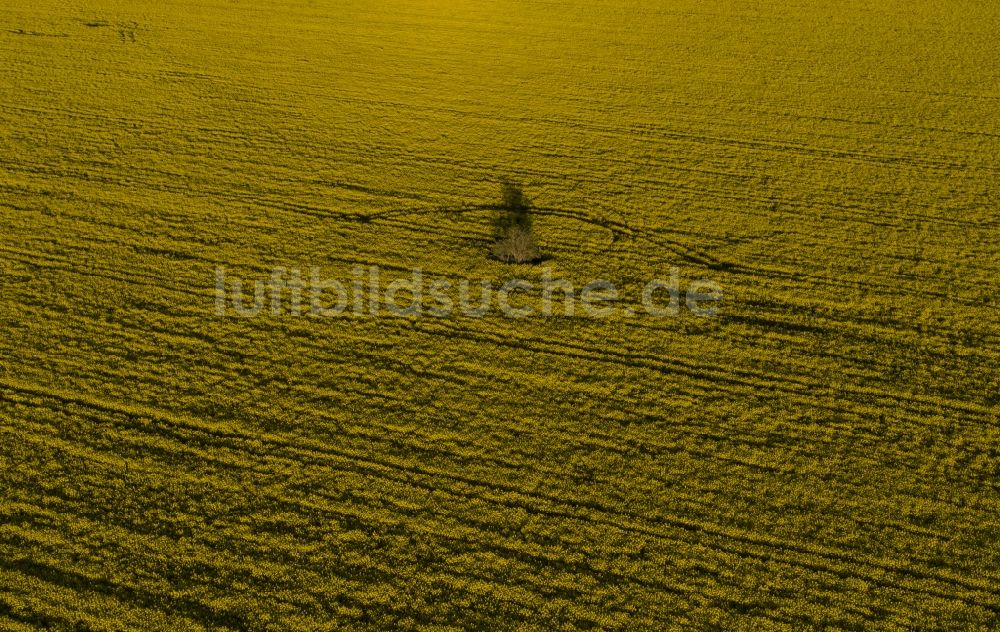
<point x="823" y="452"/>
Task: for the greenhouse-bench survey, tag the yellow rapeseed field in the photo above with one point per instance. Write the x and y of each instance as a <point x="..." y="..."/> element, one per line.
<point x="823" y="452"/>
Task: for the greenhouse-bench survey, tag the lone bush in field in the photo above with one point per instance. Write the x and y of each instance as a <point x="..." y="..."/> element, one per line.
<point x="515" y="242"/>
